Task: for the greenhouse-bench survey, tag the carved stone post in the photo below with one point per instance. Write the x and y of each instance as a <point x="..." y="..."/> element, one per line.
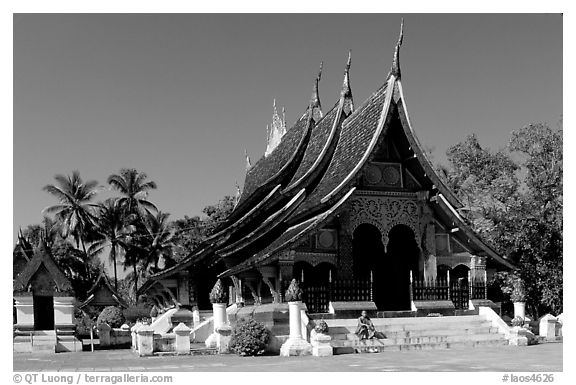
<point x="295" y="345"/>
<point x="182" y="338"/>
<point x="104" y="334"/>
<point x="145" y="341"/>
<point x="219" y="300"/>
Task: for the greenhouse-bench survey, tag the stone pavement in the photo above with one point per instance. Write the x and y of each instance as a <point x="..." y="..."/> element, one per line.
<point x="537" y="358"/>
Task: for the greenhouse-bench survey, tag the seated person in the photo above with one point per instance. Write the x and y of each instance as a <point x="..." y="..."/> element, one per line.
<point x="366" y="329"/>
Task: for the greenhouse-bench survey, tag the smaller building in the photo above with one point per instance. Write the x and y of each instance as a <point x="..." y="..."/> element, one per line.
<point x="43" y="296"/>
<point x="102" y="294"/>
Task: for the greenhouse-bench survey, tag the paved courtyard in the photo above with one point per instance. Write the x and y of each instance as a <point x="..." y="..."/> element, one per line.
<point x="537" y="358"/>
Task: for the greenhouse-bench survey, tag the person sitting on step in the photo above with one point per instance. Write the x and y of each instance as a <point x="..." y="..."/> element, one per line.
<point x="366" y="329"/>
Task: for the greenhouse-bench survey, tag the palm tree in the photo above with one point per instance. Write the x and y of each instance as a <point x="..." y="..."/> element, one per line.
<point x="134" y="189"/>
<point x="114" y="230"/>
<point x="158" y="240"/>
<point x="74" y="212"/>
<point x="152" y="242"/>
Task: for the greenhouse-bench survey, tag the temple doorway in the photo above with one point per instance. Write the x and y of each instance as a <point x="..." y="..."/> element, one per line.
<point x="369" y="259"/>
<point x="391" y="269"/>
<point x="402" y="256"/>
<point x="43" y="312"/>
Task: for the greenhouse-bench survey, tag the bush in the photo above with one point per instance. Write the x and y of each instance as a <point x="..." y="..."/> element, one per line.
<point x="321" y="327"/>
<point x="293" y="293"/>
<point x="134" y="313"/>
<point x="218" y="294"/>
<point x="249" y="337"/>
<point x="83" y="323"/>
<point x="111" y="315"/>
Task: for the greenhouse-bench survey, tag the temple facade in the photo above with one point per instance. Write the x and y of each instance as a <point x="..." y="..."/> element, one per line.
<point x="346" y="202"/>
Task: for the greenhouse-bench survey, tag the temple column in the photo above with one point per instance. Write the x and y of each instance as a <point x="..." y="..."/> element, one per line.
<point x="430" y="267"/>
<point x="268" y="273"/>
<point x="183" y="287"/>
<point x="237" y="289"/>
<point x="477" y="268"/>
<point x="285" y="272"/>
<point x="254" y="285"/>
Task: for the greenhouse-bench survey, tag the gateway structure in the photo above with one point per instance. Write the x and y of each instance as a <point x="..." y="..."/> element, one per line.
<point x="346" y="202"/>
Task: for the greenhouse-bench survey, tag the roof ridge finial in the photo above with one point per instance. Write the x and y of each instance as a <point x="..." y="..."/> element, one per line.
<point x="315" y="105"/>
<point x="248" y="163"/>
<point x="396" y="63"/>
<point x="349" y="60"/>
<point x="346" y="92"/>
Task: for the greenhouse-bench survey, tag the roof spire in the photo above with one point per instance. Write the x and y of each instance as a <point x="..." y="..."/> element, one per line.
<point x="315" y="105"/>
<point x="395" y="70"/>
<point x="248" y="163"/>
<point x="346" y="92"/>
<point x="277" y="130"/>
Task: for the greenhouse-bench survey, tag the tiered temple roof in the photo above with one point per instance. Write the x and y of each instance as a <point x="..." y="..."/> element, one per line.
<point x="42" y="265"/>
<point x="306" y="179"/>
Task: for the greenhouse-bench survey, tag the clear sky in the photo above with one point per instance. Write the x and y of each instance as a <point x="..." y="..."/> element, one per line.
<point x="180" y="96"/>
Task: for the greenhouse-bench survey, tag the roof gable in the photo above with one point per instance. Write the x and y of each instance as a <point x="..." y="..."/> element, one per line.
<point x="42" y="260"/>
<point x="103" y="294"/>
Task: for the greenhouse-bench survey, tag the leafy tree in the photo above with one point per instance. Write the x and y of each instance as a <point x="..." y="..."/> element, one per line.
<point x="514" y="200"/>
<point x="191" y="231"/>
<point x="74" y="211"/>
<point x="216" y="214"/>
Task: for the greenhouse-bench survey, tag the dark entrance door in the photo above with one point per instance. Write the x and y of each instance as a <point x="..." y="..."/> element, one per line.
<point x="43" y="312"/>
<point x="402" y="256"/>
<point x="368" y="252"/>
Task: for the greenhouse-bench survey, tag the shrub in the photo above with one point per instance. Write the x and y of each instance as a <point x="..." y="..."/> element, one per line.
<point x="134" y="313"/>
<point x="321" y="327"/>
<point x="249" y="337"/>
<point x="83" y="323"/>
<point x="111" y="315"/>
<point x="294" y="293"/>
<point x="218" y="294"/>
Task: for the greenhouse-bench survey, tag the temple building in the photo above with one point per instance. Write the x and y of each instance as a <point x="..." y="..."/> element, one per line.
<point x="43" y="301"/>
<point x="346" y="202"/>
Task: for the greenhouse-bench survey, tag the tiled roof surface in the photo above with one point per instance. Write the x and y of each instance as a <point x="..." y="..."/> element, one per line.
<point x="42" y="257"/>
<point x="318" y="138"/>
<point x="269" y="167"/>
<point x="291" y="236"/>
<point x="355" y="137"/>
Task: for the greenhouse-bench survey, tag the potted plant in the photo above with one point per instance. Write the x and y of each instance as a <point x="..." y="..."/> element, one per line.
<point x="218" y="298"/>
<point x="293" y="293"/>
<point x="320" y="340"/>
<point x="321" y="327"/>
<point x="513" y="286"/>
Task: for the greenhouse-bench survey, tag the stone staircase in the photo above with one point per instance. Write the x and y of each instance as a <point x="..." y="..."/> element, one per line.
<point x="416" y="333"/>
<point x="39" y="341"/>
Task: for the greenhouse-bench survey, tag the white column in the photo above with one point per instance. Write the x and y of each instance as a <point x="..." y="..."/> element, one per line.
<point x="25" y="311"/>
<point x="63" y="310"/>
<point x="295" y="345"/>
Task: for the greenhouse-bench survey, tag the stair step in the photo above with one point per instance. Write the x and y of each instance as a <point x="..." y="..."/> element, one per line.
<point x="410" y="320"/>
<point x="422" y="346"/>
<point x="343" y="334"/>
